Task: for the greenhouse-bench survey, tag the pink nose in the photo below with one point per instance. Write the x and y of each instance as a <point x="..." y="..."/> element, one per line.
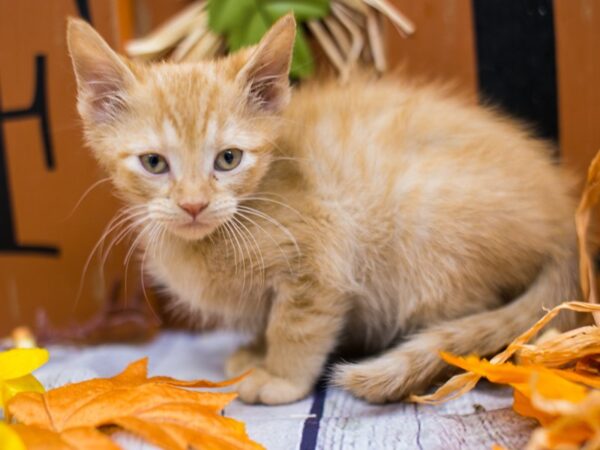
<point x="193" y="209"/>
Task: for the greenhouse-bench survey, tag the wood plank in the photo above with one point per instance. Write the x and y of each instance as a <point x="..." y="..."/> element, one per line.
<point x="443" y="46"/>
<point x="578" y="60"/>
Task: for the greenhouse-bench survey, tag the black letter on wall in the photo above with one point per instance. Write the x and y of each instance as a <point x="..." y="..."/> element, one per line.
<point x="38" y="108"/>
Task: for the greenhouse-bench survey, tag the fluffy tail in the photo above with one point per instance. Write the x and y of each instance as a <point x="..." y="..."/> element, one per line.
<point x="413" y="365"/>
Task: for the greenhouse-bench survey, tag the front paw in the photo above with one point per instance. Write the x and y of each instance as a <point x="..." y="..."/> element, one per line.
<point x="242" y="360"/>
<point x="262" y="387"/>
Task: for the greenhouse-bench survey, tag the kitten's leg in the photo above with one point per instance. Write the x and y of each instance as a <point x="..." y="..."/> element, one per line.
<point x="303" y="327"/>
<point x="246" y="357"/>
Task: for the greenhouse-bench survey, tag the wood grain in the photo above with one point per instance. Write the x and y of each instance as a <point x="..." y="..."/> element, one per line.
<point x="443" y="46"/>
<point x="577" y="28"/>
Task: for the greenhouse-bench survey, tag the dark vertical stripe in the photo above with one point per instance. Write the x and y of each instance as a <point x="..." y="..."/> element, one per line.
<point x="40" y="105"/>
<point x="310" y="432"/>
<point x="84" y="10"/>
<point x="516" y="59"/>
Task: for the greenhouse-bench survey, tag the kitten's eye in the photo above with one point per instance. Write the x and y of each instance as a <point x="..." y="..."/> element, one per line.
<point x="154" y="163"/>
<point x="228" y="159"/>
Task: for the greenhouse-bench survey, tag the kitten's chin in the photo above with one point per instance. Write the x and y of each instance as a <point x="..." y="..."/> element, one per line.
<point x="193" y="231"/>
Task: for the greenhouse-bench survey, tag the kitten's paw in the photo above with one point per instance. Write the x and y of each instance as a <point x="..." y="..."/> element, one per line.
<point x="262" y="387"/>
<point x="242" y="360"/>
<point x="379" y="381"/>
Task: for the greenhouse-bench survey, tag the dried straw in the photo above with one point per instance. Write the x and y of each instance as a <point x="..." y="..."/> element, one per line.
<point x="353" y="29"/>
<point x="589" y="200"/>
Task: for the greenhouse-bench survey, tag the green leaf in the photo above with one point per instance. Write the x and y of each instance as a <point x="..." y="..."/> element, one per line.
<point x="302" y="62"/>
<point x="224" y="15"/>
<point x="257" y="27"/>
<point x="236" y="39"/>
<point x="244" y="22"/>
<point x="303" y="9"/>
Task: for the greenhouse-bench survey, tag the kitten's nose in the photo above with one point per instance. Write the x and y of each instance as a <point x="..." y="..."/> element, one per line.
<point x="193" y="209"/>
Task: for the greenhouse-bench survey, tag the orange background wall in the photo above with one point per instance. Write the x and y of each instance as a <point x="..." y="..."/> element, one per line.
<point x="43" y="199"/>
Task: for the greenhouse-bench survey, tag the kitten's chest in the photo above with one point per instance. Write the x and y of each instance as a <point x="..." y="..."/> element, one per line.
<point x="206" y="279"/>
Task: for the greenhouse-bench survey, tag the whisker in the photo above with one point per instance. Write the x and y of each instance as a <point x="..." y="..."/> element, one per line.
<point x="235" y="223"/>
<point x="256" y="246"/>
<point x="108" y="229"/>
<point x="155" y="238"/>
<point x="130" y="252"/>
<point x="270" y="200"/>
<point x="233" y="233"/>
<point x="256" y="249"/>
<point x="265" y="216"/>
<point x="236" y="233"/>
<point x="241" y="214"/>
<point x="117" y="238"/>
<point x="84" y="195"/>
<point x="136" y="242"/>
<point x="229" y="240"/>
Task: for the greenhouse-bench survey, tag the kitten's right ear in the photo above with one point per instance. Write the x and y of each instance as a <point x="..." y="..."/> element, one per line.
<point x="102" y="76"/>
<point x="265" y="74"/>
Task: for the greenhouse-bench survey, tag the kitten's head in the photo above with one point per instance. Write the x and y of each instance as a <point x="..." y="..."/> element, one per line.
<point x="183" y="143"/>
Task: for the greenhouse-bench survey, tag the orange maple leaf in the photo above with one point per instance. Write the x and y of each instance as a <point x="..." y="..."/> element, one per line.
<point x="158" y="409"/>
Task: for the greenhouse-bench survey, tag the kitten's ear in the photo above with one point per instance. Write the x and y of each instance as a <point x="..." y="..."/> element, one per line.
<point x="102" y="76"/>
<point x="265" y="75"/>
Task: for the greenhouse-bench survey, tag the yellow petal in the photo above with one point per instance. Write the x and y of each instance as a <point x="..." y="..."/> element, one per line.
<point x="9" y="439"/>
<point x="10" y="388"/>
<point x="21" y="361"/>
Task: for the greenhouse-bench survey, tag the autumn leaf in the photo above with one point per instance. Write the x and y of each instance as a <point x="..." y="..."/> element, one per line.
<point x="16" y="366"/>
<point x="160" y="410"/>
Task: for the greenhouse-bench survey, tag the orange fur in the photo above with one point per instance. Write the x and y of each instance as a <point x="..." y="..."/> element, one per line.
<point x="377" y="216"/>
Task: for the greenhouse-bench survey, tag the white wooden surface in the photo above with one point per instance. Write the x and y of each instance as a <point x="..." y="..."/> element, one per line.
<point x="475" y="421"/>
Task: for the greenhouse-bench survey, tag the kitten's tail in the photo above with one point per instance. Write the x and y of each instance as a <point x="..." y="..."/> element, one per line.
<point x="414" y="364"/>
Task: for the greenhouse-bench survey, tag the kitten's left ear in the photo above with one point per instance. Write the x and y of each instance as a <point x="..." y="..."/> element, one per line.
<point x="103" y="77"/>
<point x="265" y="75"/>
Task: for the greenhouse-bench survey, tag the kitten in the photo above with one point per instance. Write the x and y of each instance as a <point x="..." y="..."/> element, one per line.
<point x="378" y="216"/>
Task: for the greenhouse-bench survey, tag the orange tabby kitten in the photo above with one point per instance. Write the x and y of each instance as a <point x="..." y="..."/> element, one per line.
<point x="377" y="216"/>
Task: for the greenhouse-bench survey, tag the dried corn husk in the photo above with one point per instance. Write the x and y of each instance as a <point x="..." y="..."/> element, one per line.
<point x="589" y="199"/>
<point x="561" y="349"/>
<point x="169" y="35"/>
